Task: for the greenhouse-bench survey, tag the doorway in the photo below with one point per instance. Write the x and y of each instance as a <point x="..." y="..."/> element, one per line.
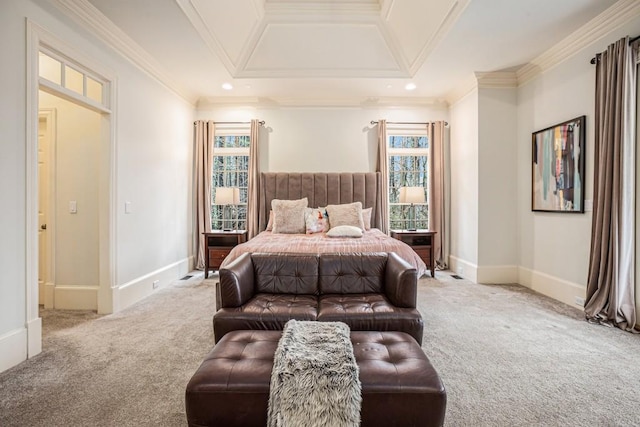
<point x="77" y="79"/>
<point x="68" y="204"/>
<point x="637" y="206"/>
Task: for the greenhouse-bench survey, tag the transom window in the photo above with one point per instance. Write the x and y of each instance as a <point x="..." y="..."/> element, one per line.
<point x="58" y="73"/>
<point x="230" y="169"/>
<point x="408" y="167"/>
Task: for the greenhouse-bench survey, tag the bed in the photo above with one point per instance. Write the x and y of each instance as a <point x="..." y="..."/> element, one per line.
<point x="322" y="189"/>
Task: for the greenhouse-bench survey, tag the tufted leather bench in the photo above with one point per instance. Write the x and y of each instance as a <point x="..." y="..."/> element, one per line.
<point x="399" y="385"/>
<point x="367" y="291"/>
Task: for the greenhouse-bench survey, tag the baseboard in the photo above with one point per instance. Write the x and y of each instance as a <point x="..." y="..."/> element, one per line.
<point x="34" y="337"/>
<point x="70" y="297"/>
<point x="49" y="295"/>
<point x="554" y="287"/>
<point x="499" y="274"/>
<point x="135" y="290"/>
<point x="13" y="348"/>
<point x="463" y="268"/>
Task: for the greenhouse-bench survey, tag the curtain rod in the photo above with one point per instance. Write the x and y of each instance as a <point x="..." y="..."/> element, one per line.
<point x="261" y="123"/>
<point x="595" y="58"/>
<point x="375" y="122"/>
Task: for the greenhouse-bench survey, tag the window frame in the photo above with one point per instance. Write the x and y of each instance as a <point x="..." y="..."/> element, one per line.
<point x="402" y="223"/>
<point x="62" y="88"/>
<point x="239" y="212"/>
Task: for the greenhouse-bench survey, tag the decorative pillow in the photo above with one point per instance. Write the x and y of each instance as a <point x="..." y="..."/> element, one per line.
<point x="270" y="222"/>
<point x="347" y="214"/>
<point x="288" y="216"/>
<point x="366" y="218"/>
<point x="316" y="221"/>
<point x="345" y="231"/>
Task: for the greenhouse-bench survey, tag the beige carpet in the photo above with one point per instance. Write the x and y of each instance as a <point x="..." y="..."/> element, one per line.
<point x="511" y="357"/>
<point x="507" y="357"/>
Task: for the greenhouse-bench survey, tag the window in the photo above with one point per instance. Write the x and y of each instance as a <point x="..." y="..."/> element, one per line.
<point x="230" y="169"/>
<point x="408" y="167"/>
<point x="59" y="72"/>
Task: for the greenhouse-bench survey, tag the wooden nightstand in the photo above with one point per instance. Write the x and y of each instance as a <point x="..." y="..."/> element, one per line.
<point x="422" y="243"/>
<point x="219" y="243"/>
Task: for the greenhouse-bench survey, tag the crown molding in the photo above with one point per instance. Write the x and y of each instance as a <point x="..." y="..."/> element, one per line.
<point x="462" y="90"/>
<point x="207" y="103"/>
<point x="305" y="7"/>
<point x="92" y="20"/>
<point x="445" y="26"/>
<point x="603" y="24"/>
<point x="496" y="80"/>
<point x="259" y="7"/>
<point x="320" y="73"/>
<point x="394" y="48"/>
<point x="608" y="21"/>
<point x="212" y="42"/>
<point x="404" y="102"/>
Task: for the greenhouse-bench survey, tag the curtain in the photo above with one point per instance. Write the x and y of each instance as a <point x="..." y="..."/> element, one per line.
<point x="611" y="280"/>
<point x="204" y="132"/>
<point x="253" y="201"/>
<point x="383" y="168"/>
<point x="439" y="197"/>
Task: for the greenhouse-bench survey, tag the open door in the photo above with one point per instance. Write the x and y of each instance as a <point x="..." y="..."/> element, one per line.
<point x="46" y="142"/>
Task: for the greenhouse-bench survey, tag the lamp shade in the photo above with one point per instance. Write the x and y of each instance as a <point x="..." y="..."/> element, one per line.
<point x="227" y="196"/>
<point x="412" y="195"/>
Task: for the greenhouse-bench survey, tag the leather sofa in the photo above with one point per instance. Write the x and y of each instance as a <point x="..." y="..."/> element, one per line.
<point x="367" y="291"/>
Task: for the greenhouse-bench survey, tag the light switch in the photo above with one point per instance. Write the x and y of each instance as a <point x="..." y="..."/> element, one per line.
<point x="588" y="205"/>
<point x="73" y="207"/>
<point x="127" y="207"/>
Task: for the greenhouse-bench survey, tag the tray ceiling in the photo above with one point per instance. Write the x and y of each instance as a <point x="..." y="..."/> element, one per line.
<point x="330" y="38"/>
<point x="342" y="52"/>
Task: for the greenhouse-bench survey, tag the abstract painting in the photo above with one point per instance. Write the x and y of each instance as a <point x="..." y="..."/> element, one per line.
<point x="558" y="167"/>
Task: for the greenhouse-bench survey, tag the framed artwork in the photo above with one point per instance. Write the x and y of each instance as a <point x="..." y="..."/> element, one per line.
<point x="557" y="178"/>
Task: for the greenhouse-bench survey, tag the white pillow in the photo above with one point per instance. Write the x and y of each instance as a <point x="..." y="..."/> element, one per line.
<point x="346" y="214"/>
<point x="366" y="218"/>
<point x="270" y="222"/>
<point x="345" y="231"/>
<point x="288" y="216"/>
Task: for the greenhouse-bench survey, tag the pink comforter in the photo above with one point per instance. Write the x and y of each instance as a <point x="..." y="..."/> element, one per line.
<point x="373" y="240"/>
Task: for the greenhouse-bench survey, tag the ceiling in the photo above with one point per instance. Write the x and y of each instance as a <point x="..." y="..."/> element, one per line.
<point x="364" y="51"/>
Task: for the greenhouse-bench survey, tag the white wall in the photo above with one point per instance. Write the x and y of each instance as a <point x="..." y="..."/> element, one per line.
<point x="497" y="194"/>
<point x="12" y="185"/>
<point x="153" y="151"/>
<point x="155" y="160"/>
<point x="554" y="247"/>
<point x="464" y="185"/>
<point x="324" y="139"/>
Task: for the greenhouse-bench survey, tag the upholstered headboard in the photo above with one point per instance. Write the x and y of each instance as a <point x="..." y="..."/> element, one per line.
<point x="321" y="189"/>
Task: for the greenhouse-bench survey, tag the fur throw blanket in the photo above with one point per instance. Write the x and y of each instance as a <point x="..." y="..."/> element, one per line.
<point x="315" y="380"/>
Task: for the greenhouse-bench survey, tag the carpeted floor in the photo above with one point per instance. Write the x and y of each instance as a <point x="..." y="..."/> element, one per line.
<point x="511" y="357"/>
<point x="507" y="357"/>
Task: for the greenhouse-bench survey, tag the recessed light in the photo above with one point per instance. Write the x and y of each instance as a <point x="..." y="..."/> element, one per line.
<point x="410" y="86"/>
<point x="227" y="86"/>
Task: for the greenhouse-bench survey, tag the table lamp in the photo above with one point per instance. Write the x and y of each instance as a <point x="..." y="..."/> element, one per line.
<point x="412" y="195"/>
<point x="226" y="196"/>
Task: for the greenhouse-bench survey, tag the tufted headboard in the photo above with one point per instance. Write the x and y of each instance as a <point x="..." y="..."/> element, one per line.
<point x="321" y="189"/>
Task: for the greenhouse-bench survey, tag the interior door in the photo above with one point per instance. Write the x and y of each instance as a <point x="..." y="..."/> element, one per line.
<point x="43" y="204"/>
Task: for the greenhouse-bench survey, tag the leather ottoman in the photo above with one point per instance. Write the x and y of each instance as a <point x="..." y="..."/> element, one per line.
<point x="399" y="385"/>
